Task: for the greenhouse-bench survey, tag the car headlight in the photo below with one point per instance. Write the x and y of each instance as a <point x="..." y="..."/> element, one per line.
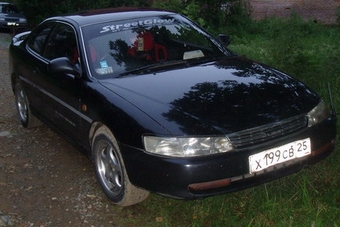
<point x="318" y="114"/>
<point x="186" y="146"/>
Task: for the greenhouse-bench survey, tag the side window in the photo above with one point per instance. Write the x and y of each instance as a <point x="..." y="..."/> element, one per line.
<point x="62" y="43"/>
<point x="39" y="37"/>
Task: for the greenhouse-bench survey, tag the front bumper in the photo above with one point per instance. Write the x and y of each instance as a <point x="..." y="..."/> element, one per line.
<point x="13" y="25"/>
<point x="191" y="178"/>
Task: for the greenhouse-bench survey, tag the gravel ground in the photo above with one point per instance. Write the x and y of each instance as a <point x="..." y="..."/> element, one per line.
<point x="44" y="181"/>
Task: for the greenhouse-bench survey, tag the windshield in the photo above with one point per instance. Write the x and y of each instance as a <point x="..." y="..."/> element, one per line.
<point x="115" y="48"/>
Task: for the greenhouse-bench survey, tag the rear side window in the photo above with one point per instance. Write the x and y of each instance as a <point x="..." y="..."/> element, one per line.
<point x="39" y="37"/>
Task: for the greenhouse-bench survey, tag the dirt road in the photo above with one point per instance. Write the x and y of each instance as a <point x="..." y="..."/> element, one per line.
<point x="44" y="181"/>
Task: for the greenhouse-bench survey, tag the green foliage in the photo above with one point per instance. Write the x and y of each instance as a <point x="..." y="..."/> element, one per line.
<point x="193" y="11"/>
<point x="298" y="47"/>
<point x="172" y="5"/>
<point x="215" y="15"/>
<point x="287" y="47"/>
<point x="37" y="10"/>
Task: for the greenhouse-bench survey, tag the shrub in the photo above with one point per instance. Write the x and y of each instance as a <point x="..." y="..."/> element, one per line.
<point x="37" y="10"/>
<point x="215" y="15"/>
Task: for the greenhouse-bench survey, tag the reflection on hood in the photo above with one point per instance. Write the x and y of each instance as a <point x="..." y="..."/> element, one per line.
<point x="230" y="95"/>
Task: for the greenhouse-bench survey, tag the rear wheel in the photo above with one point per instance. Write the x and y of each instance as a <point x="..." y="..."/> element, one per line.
<point x="110" y="170"/>
<point x="27" y="119"/>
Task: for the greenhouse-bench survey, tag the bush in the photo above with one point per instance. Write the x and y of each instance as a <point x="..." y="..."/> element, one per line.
<point x="37" y="10"/>
<point x="215" y="15"/>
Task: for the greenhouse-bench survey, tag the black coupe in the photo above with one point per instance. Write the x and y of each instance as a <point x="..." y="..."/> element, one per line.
<point x="161" y="105"/>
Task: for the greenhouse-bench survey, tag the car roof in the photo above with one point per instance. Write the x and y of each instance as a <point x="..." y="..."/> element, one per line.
<point x="87" y="17"/>
<point x="6" y="3"/>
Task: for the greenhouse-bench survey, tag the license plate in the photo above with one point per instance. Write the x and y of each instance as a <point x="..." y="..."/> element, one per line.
<point x="274" y="156"/>
<point x="11" y="23"/>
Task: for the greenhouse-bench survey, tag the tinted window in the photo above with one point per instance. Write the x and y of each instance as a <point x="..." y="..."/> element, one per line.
<point x="38" y="37"/>
<point x="62" y="43"/>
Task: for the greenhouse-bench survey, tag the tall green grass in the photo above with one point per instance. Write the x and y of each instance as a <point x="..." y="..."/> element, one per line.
<point x="311" y="53"/>
<point x="306" y="50"/>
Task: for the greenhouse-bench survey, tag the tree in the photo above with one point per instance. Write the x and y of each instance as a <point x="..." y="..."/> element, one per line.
<point x="212" y="14"/>
<point x="37" y="10"/>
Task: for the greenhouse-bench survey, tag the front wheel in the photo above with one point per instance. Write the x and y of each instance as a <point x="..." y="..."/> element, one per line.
<point x="27" y="119"/>
<point x="110" y="170"/>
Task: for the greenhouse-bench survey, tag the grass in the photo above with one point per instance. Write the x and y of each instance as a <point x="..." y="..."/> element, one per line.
<point x="308" y="198"/>
<point x="311" y="53"/>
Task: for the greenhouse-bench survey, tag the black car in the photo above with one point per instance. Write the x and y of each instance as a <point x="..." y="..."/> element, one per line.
<point x="11" y="16"/>
<point x="161" y="105"/>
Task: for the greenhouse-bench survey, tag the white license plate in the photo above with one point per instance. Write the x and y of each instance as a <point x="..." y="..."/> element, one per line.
<point x="11" y="23"/>
<point x="271" y="157"/>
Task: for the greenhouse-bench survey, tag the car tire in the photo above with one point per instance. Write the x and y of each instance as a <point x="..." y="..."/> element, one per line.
<point x="27" y="119"/>
<point x="110" y="170"/>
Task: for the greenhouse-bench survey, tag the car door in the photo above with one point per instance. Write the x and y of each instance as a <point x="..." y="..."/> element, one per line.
<point x="31" y="66"/>
<point x="60" y="91"/>
<point x="63" y="88"/>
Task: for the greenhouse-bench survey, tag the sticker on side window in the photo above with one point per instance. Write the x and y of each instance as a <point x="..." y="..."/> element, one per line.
<point x="103" y="64"/>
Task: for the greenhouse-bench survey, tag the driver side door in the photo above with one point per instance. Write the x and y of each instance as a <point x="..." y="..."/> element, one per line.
<point x="63" y="89"/>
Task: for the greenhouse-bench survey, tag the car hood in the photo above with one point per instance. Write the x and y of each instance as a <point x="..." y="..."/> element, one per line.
<point x="225" y="96"/>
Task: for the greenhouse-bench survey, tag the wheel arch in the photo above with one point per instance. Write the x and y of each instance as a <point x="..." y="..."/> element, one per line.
<point x="131" y="194"/>
<point x="94" y="127"/>
<point x="14" y="80"/>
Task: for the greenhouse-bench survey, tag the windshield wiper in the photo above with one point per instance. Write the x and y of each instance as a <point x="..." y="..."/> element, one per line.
<point x="151" y="67"/>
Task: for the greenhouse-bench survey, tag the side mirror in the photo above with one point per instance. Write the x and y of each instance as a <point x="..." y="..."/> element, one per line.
<point x="62" y="66"/>
<point x="225" y="39"/>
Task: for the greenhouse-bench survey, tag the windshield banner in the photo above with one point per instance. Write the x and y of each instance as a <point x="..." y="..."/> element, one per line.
<point x="147" y="22"/>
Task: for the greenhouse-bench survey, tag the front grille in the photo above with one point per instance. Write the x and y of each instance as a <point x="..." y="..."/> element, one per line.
<point x="254" y="136"/>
